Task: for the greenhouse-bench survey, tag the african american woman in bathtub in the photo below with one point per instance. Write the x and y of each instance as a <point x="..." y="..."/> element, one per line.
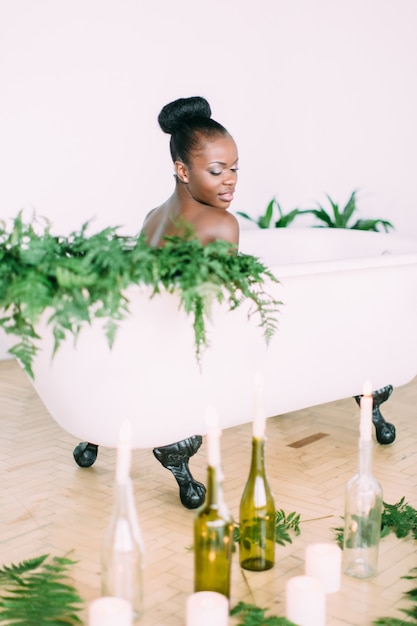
<point x="205" y="169"/>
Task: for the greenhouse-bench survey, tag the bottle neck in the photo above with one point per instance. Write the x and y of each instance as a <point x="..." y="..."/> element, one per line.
<point x="123" y="497"/>
<point x="214" y="486"/>
<point x="365" y="457"/>
<point x="258" y="455"/>
<point x="124" y="509"/>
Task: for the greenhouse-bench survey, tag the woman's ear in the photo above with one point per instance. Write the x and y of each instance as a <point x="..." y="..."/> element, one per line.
<point x="181" y="171"/>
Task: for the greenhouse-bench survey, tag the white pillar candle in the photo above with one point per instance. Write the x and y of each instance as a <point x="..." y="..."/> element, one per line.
<point x="207" y="608"/>
<point x="213" y="437"/>
<point x="305" y="601"/>
<point x="324" y="561"/>
<point x="365" y="426"/>
<point x="110" y="611"/>
<point x="259" y="410"/>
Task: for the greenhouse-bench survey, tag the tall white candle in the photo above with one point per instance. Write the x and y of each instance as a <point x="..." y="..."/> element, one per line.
<point x="305" y="601"/>
<point x="207" y="608"/>
<point x="365" y="427"/>
<point x="213" y="437"/>
<point x="324" y="561"/>
<point x="124" y="452"/>
<point x="110" y="611"/>
<point x="259" y="409"/>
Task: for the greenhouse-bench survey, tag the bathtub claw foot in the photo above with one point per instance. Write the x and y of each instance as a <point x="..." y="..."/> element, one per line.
<point x="85" y="454"/>
<point x="175" y="457"/>
<point x="384" y="431"/>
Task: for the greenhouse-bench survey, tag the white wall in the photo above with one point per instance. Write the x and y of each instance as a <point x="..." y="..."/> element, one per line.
<point x="320" y="96"/>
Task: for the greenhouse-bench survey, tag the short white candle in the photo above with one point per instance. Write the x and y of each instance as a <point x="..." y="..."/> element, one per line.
<point x="305" y="601"/>
<point x="259" y="412"/>
<point x="207" y="608"/>
<point x="213" y="437"/>
<point x="324" y="561"/>
<point x="110" y="611"/>
<point x="365" y="427"/>
<point x="124" y="452"/>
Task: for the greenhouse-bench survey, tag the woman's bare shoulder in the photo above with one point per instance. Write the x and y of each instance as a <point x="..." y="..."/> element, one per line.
<point x="150" y="214"/>
<point x="214" y="225"/>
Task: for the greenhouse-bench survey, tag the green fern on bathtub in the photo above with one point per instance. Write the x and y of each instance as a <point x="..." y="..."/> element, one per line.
<point x="82" y="276"/>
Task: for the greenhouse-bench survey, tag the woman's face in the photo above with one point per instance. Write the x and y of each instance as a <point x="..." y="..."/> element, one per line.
<point x="211" y="177"/>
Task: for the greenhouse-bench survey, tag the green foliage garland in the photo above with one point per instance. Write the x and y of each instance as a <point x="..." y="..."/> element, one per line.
<point x="81" y="277"/>
<point x="37" y="592"/>
<point x="253" y="615"/>
<point x="399" y="518"/>
<point x="284" y="524"/>
<point x="410" y="612"/>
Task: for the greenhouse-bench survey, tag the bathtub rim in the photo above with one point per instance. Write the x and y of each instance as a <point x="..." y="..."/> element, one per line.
<point x="325" y="266"/>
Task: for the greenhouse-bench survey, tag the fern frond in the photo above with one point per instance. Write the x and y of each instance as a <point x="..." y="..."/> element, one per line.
<point x="38" y="592"/>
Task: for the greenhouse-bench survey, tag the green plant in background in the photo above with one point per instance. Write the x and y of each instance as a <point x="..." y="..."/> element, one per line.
<point x="399" y="518"/>
<point x="266" y="221"/>
<point x="37" y="592"/>
<point x="334" y="217"/>
<point x="252" y="615"/>
<point x="341" y="217"/>
<point x="83" y="277"/>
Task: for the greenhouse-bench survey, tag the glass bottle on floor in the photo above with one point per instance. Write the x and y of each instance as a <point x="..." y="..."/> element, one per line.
<point x="363" y="504"/>
<point x="213" y="524"/>
<point x="122" y="550"/>
<point x="257" y="507"/>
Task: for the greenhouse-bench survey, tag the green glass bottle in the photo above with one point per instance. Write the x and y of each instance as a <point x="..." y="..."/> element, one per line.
<point x="257" y="516"/>
<point x="257" y="506"/>
<point x="213" y="525"/>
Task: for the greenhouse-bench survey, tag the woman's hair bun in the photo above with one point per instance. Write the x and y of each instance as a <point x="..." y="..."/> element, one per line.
<point x="175" y="113"/>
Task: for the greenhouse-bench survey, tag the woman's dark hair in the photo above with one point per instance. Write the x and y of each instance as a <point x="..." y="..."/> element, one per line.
<point x="186" y="120"/>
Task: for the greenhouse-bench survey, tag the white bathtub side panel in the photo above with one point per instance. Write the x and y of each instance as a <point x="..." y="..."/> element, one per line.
<point x="335" y="334"/>
<point x="336" y="330"/>
<point x="150" y="376"/>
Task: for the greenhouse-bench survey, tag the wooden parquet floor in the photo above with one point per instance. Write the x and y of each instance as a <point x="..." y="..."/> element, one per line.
<point x="50" y="505"/>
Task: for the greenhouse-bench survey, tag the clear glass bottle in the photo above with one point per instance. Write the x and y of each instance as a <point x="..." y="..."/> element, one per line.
<point x="213" y="526"/>
<point x="122" y="550"/>
<point x="257" y="515"/>
<point x="363" y="506"/>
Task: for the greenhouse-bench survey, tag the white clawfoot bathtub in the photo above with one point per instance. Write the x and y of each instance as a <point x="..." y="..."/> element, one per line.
<point x="349" y="314"/>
